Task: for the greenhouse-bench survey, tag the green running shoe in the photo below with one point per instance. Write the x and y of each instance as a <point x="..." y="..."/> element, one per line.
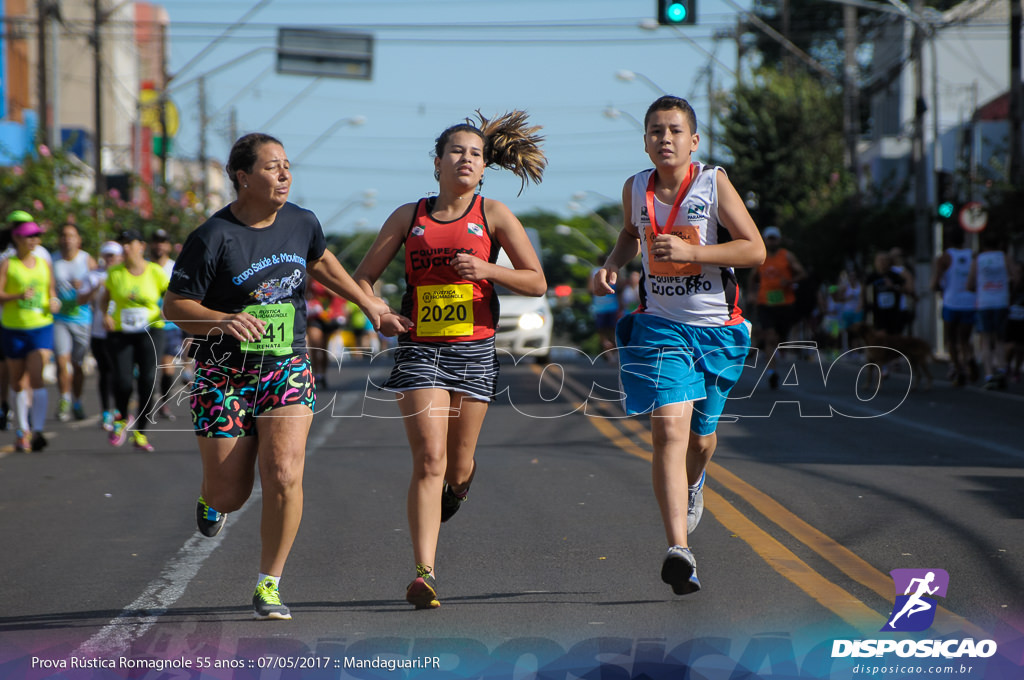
<point x="266" y="602"/>
<point x="141" y="442"/>
<point x="63" y="410"/>
<point x="209" y="521"/>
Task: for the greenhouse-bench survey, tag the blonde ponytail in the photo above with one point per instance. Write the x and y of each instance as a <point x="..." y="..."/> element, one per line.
<point x="514" y="145"/>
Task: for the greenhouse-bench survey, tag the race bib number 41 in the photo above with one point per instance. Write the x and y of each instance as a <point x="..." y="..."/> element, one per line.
<point x="279" y="332"/>
<point x="444" y="310"/>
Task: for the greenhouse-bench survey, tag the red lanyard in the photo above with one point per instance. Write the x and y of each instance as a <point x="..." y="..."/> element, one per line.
<point x="683" y="188"/>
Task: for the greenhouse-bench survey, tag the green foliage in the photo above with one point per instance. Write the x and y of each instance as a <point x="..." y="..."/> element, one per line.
<point x="55" y="188"/>
<point x="568" y="257"/>
<point x="784" y="134"/>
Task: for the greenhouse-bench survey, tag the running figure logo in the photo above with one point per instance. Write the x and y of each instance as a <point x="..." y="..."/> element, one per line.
<point x="272" y="290"/>
<point x="914" y="610"/>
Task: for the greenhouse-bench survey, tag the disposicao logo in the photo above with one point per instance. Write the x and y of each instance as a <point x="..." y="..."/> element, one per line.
<point x="914" y="608"/>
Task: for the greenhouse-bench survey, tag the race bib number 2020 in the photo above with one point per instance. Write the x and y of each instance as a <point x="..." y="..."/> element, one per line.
<point x="444" y="310"/>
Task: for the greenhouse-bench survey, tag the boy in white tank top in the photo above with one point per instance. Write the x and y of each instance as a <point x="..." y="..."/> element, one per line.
<point x="685" y="346"/>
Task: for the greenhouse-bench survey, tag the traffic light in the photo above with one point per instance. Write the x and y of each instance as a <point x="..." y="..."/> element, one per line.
<point x="677" y="12"/>
<point x="945" y="194"/>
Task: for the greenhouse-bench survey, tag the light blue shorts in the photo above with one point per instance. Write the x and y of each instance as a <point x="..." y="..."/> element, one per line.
<point x="665" y="362"/>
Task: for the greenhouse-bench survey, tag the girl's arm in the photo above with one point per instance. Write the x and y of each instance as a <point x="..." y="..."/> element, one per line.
<point x="6" y="297"/>
<point x="380" y="255"/>
<point x="328" y="271"/>
<point x="108" y="321"/>
<point x="526" y="277"/>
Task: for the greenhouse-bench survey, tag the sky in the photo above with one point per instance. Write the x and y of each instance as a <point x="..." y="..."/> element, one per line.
<point x="435" y="62"/>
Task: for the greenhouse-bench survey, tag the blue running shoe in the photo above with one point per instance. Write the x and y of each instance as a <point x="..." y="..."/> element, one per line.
<point x="209" y="521"/>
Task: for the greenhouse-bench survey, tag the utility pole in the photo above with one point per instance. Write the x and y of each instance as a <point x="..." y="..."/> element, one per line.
<point x="203" y="122"/>
<point x="851" y="95"/>
<point x="162" y="103"/>
<point x="1016" y="164"/>
<point x="711" y="115"/>
<point x="42" y="82"/>
<point x="233" y="124"/>
<point x="54" y="20"/>
<point x="922" y="245"/>
<point x="97" y="43"/>
<point x="787" y="59"/>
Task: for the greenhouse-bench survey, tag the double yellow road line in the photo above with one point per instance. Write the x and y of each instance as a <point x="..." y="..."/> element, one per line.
<point x="633" y="437"/>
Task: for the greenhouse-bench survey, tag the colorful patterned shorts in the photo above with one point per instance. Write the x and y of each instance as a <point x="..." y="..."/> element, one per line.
<point x="226" y="401"/>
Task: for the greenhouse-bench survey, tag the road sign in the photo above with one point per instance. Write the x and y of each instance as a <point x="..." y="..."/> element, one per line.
<point x="324" y="52"/>
<point x="149" y="105"/>
<point x="973" y="217"/>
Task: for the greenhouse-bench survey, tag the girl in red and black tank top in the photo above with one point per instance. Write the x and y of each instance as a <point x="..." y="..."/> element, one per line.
<point x="446" y="366"/>
<point x="443" y="306"/>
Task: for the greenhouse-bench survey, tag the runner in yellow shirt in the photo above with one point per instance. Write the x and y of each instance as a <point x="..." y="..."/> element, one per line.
<point x="29" y="299"/>
<point x="135" y="335"/>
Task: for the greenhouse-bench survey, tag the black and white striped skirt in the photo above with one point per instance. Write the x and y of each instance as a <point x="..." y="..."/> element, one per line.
<point x="470" y="367"/>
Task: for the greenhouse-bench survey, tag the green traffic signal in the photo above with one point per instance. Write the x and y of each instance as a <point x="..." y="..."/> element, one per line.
<point x="677" y="12"/>
<point x="945" y="209"/>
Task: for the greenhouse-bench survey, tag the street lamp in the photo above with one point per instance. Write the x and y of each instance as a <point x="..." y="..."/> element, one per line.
<point x="566" y="230"/>
<point x="629" y="76"/>
<point x="576" y="204"/>
<point x="368" y="199"/>
<point x="571" y="259"/>
<point x="613" y="113"/>
<point x="580" y="195"/>
<point x="354" y="121"/>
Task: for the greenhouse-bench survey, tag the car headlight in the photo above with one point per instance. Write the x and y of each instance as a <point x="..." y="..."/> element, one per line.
<point x="531" y="321"/>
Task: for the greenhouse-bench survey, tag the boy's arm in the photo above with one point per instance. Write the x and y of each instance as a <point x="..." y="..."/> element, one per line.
<point x="627" y="246"/>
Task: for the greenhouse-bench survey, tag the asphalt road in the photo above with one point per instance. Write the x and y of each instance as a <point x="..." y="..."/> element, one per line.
<point x="818" y="490"/>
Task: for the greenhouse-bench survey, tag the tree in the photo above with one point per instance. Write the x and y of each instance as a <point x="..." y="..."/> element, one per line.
<point x="54" y="187"/>
<point x="784" y="135"/>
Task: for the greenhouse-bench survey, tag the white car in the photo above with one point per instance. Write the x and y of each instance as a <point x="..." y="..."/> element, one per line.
<point x="524" y="327"/>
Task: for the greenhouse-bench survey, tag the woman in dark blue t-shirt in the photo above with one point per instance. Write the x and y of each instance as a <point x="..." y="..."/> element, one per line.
<point x="239" y="288"/>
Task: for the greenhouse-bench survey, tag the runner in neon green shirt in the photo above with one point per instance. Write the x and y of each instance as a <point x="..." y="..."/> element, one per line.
<point x="135" y="335"/>
<point x="29" y="299"/>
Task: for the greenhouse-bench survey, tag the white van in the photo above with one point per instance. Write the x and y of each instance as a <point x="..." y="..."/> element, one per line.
<point x="524" y="327"/>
